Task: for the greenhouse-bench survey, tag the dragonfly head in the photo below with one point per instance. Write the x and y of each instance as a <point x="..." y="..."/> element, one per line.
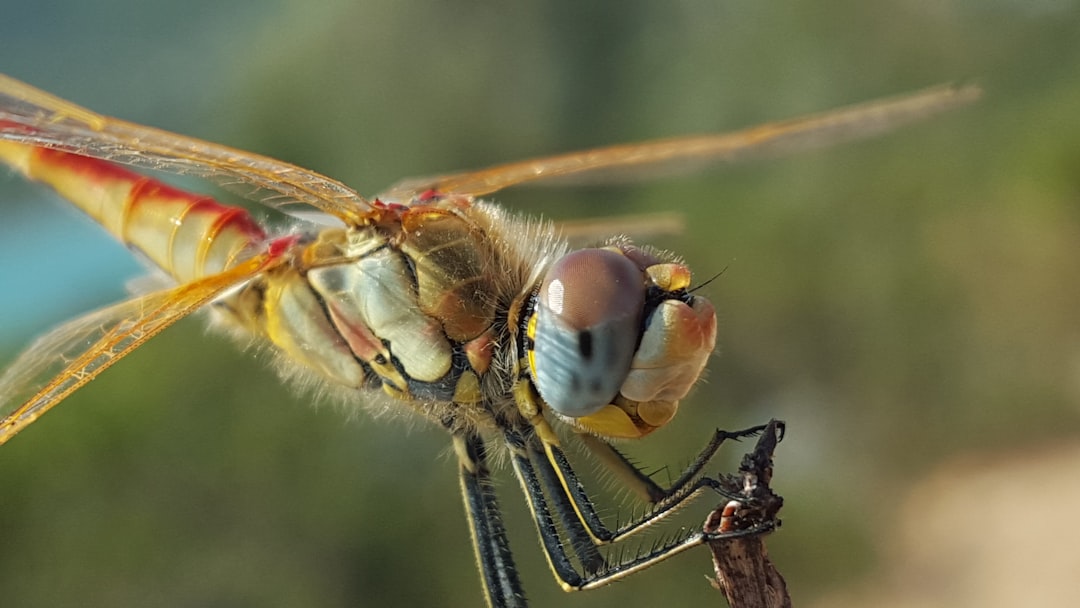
<point x="617" y="340"/>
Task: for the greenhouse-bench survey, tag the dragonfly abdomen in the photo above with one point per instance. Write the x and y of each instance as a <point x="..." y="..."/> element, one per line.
<point x="187" y="235"/>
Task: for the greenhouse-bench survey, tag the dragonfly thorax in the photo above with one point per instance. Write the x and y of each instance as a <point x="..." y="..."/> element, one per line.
<point x="616" y="340"/>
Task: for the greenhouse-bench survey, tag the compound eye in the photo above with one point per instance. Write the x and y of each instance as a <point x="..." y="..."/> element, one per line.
<point x="588" y="321"/>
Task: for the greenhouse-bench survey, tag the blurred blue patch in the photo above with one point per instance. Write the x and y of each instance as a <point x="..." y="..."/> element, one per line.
<point x="56" y="266"/>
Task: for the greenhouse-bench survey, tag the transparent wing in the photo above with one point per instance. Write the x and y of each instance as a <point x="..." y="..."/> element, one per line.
<point x="827" y="128"/>
<point x="638" y="226"/>
<point x="29" y="115"/>
<point x="71" y="355"/>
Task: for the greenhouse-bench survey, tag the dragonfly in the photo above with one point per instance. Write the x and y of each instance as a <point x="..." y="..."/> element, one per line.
<point x="425" y="298"/>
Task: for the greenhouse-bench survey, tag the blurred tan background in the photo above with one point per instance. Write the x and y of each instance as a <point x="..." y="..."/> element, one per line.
<point x="908" y="305"/>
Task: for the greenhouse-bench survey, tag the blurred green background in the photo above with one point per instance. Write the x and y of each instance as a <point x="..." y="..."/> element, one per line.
<point x="903" y="303"/>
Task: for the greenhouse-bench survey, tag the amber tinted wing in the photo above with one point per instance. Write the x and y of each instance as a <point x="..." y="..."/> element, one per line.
<point x="32" y="116"/>
<point x="639" y="226"/>
<point x="73" y="354"/>
<point x="827" y="128"/>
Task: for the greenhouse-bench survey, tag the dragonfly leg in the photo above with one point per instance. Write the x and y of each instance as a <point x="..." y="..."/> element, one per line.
<point x="641" y="483"/>
<point x="686" y="488"/>
<point x="579" y="537"/>
<point x="502" y="587"/>
<point x="557" y="498"/>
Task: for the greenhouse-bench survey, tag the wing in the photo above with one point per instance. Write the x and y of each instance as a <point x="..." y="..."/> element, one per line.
<point x="32" y="116"/>
<point x="639" y="226"/>
<point x="71" y="355"/>
<point x="831" y="127"/>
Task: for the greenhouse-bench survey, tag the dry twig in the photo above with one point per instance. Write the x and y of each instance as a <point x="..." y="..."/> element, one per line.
<point x="743" y="569"/>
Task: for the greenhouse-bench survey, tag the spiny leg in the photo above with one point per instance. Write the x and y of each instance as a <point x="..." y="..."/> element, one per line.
<point x="666" y="500"/>
<point x="528" y="459"/>
<point x="641" y="483"/>
<point x="553" y="543"/>
<point x="502" y="587"/>
<point x="578" y="537"/>
<point x="576" y="514"/>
